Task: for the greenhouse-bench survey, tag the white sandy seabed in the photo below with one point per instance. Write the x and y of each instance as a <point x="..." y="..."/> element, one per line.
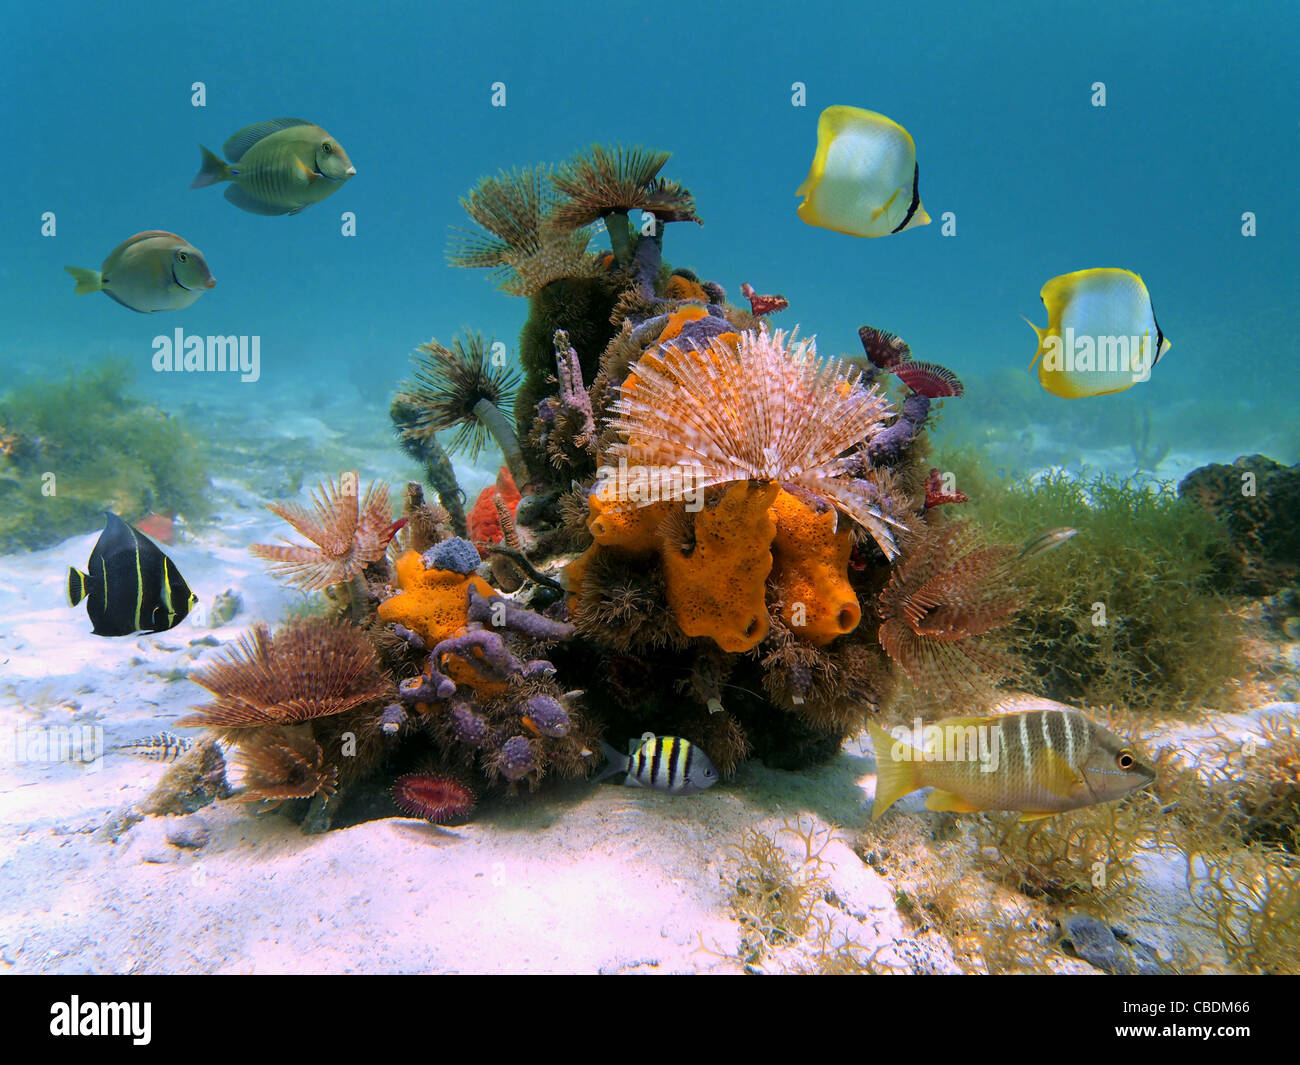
<point x="578" y="878"/>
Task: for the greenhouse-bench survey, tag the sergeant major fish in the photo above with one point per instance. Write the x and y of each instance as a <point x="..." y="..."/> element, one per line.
<point x="1040" y="759"/>
<point x="277" y="167"/>
<point x="663" y="763"/>
<point x="151" y="271"/>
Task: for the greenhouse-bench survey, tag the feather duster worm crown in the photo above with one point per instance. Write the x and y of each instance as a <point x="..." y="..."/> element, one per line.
<point x="349" y="532"/>
<point x="761" y="407"/>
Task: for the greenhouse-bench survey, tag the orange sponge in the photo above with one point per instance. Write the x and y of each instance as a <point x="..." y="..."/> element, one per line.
<point x="432" y="602"/>
<point x="810" y="570"/>
<point x="715" y="584"/>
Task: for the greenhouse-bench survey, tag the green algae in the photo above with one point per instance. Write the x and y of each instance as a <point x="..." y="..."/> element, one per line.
<point x="79" y="447"/>
<point x="1127" y="612"/>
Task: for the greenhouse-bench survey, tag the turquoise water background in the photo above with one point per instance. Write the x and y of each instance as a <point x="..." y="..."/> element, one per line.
<point x="1201" y="125"/>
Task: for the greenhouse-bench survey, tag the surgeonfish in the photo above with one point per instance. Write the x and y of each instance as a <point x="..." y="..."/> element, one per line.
<point x="864" y="177"/>
<point x="663" y="763"/>
<point x="1101" y="334"/>
<point x="164" y="747"/>
<point x="277" y="167"/>
<point x="151" y="271"/>
<point x="1041" y="758"/>
<point x="131" y="585"/>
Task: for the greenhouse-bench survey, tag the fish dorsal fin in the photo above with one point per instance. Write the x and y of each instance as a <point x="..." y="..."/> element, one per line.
<point x="117" y="535"/>
<point x="237" y="146"/>
<point x="149" y="234"/>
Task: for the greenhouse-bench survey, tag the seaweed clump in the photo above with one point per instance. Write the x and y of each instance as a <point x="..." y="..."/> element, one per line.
<point x="72" y="448"/>
<point x="1130" y="612"/>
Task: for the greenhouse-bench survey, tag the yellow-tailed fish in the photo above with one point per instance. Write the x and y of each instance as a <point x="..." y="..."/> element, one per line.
<point x="130" y="586"/>
<point x="277" y="167"/>
<point x="151" y="271"/>
<point x="864" y="179"/>
<point x="1040" y="759"/>
<point x="1101" y="335"/>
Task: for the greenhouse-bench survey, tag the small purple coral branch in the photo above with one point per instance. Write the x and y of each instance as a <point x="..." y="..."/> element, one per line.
<point x="499" y="612"/>
<point x="573" y="393"/>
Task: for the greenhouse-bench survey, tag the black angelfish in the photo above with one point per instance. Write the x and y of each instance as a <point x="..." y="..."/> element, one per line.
<point x="132" y="586"/>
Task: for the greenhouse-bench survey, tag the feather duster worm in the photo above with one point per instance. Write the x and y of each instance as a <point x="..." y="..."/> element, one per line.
<point x="311" y="668"/>
<point x="280" y="765"/>
<point x="349" y="532"/>
<point x="759" y="407"/>
<point x="948" y="592"/>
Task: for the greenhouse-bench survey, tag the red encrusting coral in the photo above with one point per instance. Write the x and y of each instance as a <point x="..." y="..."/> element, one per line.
<point x="435" y="798"/>
<point x="159" y="527"/>
<point x="484" y="522"/>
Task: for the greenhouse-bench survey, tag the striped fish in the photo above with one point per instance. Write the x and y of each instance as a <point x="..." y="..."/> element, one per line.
<point x="663" y="763"/>
<point x="1040" y="759"/>
<point x="163" y="747"/>
<point x="132" y="586"/>
<point x="277" y="167"/>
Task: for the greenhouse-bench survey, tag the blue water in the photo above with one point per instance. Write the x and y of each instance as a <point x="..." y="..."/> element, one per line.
<point x="1200" y="126"/>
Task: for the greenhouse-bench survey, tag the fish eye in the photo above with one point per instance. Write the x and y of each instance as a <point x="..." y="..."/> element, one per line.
<point x="1125" y="760"/>
<point x="182" y="257"/>
<point x="327" y="147"/>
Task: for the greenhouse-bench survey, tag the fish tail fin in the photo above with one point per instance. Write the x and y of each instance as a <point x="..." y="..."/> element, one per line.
<point x="87" y="280"/>
<point x="213" y="170"/>
<point x="1040" y="333"/>
<point x="76" y="586"/>
<point x="616" y="762"/>
<point x="894" y="778"/>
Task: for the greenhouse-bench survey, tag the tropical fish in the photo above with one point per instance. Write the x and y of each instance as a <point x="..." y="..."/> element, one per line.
<point x="163" y="747"/>
<point x="1040" y="759"/>
<point x="864" y="177"/>
<point x="1101" y="334"/>
<point x="664" y="763"/>
<point x="1047" y="540"/>
<point x="132" y="586"/>
<point x="277" y="167"/>
<point x="151" y="271"/>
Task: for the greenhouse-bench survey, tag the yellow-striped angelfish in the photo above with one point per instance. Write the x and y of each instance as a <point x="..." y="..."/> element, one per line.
<point x="1040" y="759"/>
<point x="277" y="167"/>
<point x="864" y="179"/>
<point x="1101" y="335"/>
<point x="131" y="585"/>
<point x="663" y="763"/>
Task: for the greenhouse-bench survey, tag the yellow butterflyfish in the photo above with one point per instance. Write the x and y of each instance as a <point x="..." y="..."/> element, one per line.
<point x="863" y="180"/>
<point x="1101" y="334"/>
